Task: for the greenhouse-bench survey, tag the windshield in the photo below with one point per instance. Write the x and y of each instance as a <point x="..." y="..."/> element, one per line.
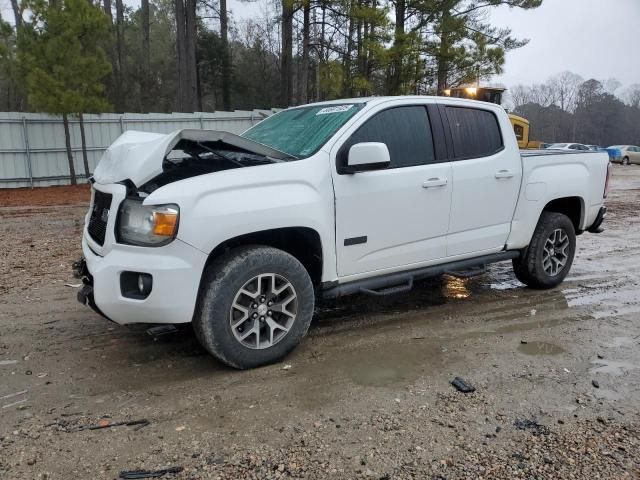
<point x="302" y="131"/>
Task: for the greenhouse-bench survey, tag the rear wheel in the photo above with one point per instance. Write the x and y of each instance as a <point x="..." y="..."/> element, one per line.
<point x="548" y="259"/>
<point x="625" y="161"/>
<point x="256" y="305"/>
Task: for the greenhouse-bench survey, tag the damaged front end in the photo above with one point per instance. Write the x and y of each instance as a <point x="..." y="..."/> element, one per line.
<point x="85" y="294"/>
<point x="139" y="158"/>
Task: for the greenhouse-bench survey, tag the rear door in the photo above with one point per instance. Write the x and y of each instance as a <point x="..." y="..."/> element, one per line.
<point x="396" y="217"/>
<point x="634" y="155"/>
<point x="487" y="172"/>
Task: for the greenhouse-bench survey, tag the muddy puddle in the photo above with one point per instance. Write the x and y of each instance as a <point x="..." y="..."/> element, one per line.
<point x="540" y="348"/>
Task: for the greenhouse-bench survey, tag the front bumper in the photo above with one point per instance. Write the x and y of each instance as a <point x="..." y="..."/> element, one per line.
<point x="176" y="270"/>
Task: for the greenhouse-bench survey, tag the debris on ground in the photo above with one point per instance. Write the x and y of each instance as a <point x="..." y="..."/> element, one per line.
<point x="595" y="383"/>
<point x="103" y="423"/>
<point x="159" y="330"/>
<point x="13" y="404"/>
<point x="133" y="474"/>
<point x="462" y="386"/>
<point x="7" y="362"/>
<point x="287" y="367"/>
<point x="531" y="424"/>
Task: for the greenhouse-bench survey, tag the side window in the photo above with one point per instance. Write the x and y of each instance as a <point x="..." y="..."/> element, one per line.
<point x="405" y="131"/>
<point x="519" y="131"/>
<point x="573" y="147"/>
<point x="475" y="133"/>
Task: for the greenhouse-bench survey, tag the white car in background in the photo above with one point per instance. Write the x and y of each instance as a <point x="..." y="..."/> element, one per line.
<point x="629" y="154"/>
<point x="568" y="146"/>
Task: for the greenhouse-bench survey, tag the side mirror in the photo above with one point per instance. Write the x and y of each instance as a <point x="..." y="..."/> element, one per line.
<point x="367" y="156"/>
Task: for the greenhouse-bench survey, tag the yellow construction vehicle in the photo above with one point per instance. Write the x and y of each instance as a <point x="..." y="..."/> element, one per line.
<point x="494" y="95"/>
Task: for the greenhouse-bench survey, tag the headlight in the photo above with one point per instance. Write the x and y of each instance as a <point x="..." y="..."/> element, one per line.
<point x="148" y="225"/>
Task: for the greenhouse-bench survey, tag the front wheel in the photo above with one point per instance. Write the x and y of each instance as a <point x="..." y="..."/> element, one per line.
<point x="255" y="306"/>
<point x="548" y="258"/>
<point x="625" y="161"/>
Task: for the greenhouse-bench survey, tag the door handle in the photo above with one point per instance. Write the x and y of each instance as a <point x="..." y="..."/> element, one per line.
<point x="504" y="174"/>
<point x="434" y="182"/>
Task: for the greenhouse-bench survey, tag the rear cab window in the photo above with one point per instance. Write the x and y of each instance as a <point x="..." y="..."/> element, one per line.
<point x="475" y="132"/>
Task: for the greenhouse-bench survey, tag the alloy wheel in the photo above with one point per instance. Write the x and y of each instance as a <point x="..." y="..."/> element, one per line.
<point x="263" y="311"/>
<point x="554" y="253"/>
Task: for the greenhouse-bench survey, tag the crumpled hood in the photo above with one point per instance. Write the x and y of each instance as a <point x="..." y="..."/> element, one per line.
<point x="138" y="156"/>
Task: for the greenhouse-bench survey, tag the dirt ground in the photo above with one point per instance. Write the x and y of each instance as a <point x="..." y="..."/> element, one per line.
<point x="366" y="395"/>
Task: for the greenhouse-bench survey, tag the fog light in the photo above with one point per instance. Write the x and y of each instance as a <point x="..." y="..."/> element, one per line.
<point x="135" y="285"/>
<point x="144" y="284"/>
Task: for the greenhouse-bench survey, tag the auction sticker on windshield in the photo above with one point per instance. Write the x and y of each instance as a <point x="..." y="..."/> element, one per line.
<point x="337" y="109"/>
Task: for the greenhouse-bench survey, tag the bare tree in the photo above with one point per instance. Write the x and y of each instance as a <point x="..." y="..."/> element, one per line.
<point x="520" y="95"/>
<point x="632" y="95"/>
<point x="565" y="89"/>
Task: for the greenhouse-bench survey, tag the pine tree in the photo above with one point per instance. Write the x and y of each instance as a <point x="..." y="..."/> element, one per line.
<point x="63" y="63"/>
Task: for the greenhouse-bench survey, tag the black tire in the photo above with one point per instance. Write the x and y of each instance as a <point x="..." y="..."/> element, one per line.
<point x="625" y="161"/>
<point x="529" y="268"/>
<point x="224" y="279"/>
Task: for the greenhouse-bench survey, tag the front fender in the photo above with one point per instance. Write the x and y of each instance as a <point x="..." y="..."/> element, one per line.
<point x="224" y="205"/>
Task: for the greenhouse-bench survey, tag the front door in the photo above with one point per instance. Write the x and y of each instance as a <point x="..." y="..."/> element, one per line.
<point x="396" y="217"/>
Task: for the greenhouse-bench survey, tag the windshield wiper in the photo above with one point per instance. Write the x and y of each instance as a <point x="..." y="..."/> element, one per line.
<point x="218" y="154"/>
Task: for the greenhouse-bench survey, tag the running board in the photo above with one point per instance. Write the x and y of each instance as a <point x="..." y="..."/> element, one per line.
<point x="390" y="290"/>
<point x="468" y="273"/>
<point x="403" y="281"/>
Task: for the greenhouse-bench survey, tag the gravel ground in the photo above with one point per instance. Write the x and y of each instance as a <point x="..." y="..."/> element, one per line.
<point x="367" y="394"/>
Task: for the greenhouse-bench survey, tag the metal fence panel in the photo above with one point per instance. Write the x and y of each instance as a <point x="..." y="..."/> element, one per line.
<point x="33" y="150"/>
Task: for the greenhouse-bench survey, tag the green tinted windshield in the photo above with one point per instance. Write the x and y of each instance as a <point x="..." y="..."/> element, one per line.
<point x="302" y="131"/>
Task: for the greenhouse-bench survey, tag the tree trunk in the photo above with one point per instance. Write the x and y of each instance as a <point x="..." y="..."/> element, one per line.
<point x="191" y="96"/>
<point x="85" y="160"/>
<point x="17" y="14"/>
<point x="395" y="84"/>
<point x="181" y="56"/>
<point x="286" y="72"/>
<point x="145" y="84"/>
<point x="306" y="34"/>
<point x="347" y="84"/>
<point x="226" y="57"/>
<point x="119" y="47"/>
<point x="67" y="139"/>
<point x="443" y="51"/>
<point x="107" y="10"/>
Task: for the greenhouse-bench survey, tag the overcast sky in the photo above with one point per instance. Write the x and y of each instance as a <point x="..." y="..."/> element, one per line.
<point x="593" y="38"/>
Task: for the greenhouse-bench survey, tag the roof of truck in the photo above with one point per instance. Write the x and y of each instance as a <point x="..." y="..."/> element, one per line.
<point x="375" y="100"/>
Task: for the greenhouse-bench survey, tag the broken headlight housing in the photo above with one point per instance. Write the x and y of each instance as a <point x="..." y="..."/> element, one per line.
<point x="147" y="225"/>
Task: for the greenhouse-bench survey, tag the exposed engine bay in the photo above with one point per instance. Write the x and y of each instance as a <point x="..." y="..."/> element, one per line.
<point x="191" y="158"/>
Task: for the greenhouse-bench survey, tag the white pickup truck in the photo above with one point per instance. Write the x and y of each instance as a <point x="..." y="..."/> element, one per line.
<point x="239" y="234"/>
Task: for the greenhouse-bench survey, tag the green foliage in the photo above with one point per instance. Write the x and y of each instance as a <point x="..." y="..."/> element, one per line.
<point x="10" y="85"/>
<point x="355" y="49"/>
<point x="60" y="55"/>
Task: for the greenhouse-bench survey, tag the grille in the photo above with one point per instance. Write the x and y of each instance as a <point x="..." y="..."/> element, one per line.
<point x="97" y="227"/>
